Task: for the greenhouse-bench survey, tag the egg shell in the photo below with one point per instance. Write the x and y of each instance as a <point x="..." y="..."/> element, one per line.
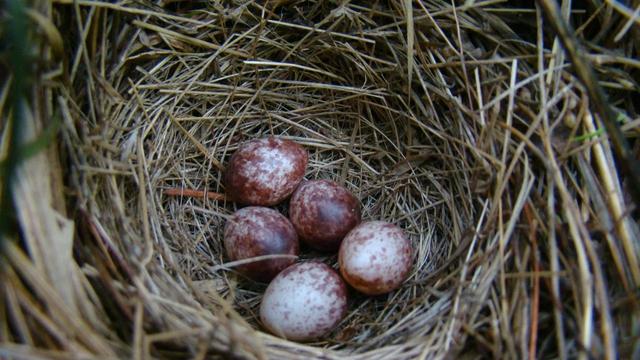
<point x="304" y="302"/>
<point x="256" y="231"/>
<point x="375" y="257"/>
<point x="265" y="171"/>
<point x="323" y="212"/>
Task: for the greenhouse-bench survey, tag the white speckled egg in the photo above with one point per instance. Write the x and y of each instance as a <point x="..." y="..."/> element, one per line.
<point x="375" y="257"/>
<point x="265" y="171"/>
<point x="304" y="302"/>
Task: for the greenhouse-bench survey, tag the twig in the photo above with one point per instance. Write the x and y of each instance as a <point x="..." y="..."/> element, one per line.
<point x="232" y="264"/>
<point x="201" y="194"/>
<point x="535" y="301"/>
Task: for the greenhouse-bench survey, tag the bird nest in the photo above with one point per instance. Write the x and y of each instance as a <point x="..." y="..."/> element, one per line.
<point x="463" y="125"/>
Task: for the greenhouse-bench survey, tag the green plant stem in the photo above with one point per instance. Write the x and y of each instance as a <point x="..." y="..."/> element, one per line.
<point x="18" y="61"/>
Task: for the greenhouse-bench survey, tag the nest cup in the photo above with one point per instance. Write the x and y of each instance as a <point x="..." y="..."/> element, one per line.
<point x="454" y="128"/>
<point x="349" y="103"/>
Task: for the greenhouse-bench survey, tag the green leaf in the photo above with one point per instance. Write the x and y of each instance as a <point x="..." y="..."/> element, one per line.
<point x="38" y="144"/>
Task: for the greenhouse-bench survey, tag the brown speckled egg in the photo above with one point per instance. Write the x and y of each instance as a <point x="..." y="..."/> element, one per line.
<point x="304" y="302"/>
<point x="375" y="257"/>
<point x="256" y="231"/>
<point x="323" y="212"/>
<point x="265" y="171"/>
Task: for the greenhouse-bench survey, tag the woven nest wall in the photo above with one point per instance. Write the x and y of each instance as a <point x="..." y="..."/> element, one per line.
<point x="464" y="125"/>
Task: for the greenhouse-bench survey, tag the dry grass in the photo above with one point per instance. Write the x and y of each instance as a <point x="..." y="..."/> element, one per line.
<point x="461" y="124"/>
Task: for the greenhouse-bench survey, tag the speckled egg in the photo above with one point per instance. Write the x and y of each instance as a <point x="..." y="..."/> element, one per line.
<point x="265" y="171"/>
<point x="256" y="231"/>
<point x="375" y="257"/>
<point x="304" y="302"/>
<point x="323" y="212"/>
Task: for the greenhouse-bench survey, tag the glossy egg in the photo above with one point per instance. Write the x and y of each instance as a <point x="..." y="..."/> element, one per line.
<point x="323" y="212"/>
<point x="304" y="302"/>
<point x="257" y="231"/>
<point x="375" y="257"/>
<point x="265" y="171"/>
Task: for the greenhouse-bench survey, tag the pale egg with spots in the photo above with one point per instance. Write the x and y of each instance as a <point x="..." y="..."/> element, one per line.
<point x="375" y="257"/>
<point x="304" y="302"/>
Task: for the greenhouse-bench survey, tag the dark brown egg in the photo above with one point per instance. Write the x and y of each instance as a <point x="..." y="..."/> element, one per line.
<point x="375" y="257"/>
<point x="304" y="302"/>
<point x="265" y="171"/>
<point x="256" y="231"/>
<point x="322" y="213"/>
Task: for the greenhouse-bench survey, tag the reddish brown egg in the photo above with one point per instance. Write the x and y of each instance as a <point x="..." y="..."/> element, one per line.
<point x="304" y="302"/>
<point x="265" y="171"/>
<point x="257" y="231"/>
<point x="375" y="257"/>
<point x="322" y="213"/>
